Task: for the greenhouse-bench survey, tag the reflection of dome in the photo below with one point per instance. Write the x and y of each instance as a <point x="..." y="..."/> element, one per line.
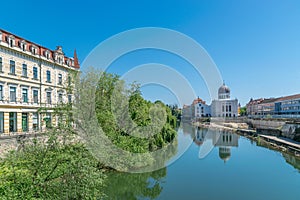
<point x="224" y="153"/>
<point x="224" y="92"/>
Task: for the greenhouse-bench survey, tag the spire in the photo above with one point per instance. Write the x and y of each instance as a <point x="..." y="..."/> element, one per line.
<point x="76" y="63"/>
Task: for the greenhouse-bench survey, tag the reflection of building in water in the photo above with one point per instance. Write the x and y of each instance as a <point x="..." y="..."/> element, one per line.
<point x="200" y="134"/>
<point x="221" y="139"/>
<point x="188" y="129"/>
<point x="225" y="142"/>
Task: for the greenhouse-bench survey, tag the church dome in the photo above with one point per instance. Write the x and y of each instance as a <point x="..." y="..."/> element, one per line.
<point x="224" y="89"/>
<point x="224" y="92"/>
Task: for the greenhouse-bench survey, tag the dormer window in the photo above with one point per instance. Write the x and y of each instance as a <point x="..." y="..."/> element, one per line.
<point x="11" y="41"/>
<point x="33" y="50"/>
<point x="0" y="36"/>
<point x="47" y="54"/>
<point x="55" y="56"/>
<point x="23" y="45"/>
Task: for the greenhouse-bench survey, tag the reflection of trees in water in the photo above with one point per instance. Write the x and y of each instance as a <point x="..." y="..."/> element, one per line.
<point x="292" y="160"/>
<point x="121" y="185"/>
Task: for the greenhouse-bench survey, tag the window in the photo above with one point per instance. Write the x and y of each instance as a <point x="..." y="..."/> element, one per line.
<point x="35" y="96"/>
<point x="12" y="95"/>
<point x="0" y="64"/>
<point x="11" y="41"/>
<point x="12" y="67"/>
<point x="24" y="122"/>
<point x="48" y="76"/>
<point x="35" y="121"/>
<point x="1" y="92"/>
<point x="24" y="70"/>
<point x="23" y="45"/>
<point x="48" y="120"/>
<point x="33" y="50"/>
<point x="60" y="98"/>
<point x="59" y="79"/>
<point x="35" y="73"/>
<point x="12" y="122"/>
<point x="1" y="122"/>
<point x="25" y="95"/>
<point x="47" y="54"/>
<point x="48" y="97"/>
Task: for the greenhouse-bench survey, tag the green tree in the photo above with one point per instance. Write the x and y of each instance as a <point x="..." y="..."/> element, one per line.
<point x="243" y="111"/>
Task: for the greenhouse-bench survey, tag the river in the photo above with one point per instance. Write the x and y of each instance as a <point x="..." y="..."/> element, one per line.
<point x="236" y="168"/>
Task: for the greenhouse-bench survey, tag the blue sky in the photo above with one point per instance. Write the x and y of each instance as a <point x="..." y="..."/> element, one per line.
<point x="255" y="44"/>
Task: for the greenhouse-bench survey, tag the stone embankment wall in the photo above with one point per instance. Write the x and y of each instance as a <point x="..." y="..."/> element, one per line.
<point x="275" y="127"/>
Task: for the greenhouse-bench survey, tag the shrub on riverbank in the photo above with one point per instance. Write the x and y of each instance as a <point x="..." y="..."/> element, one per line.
<point x="47" y="168"/>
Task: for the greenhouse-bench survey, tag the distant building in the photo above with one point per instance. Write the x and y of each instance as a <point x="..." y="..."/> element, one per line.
<point x="187" y="113"/>
<point x="261" y="107"/>
<point x="288" y="106"/>
<point x="200" y="109"/>
<point x="282" y="107"/>
<point x="224" y="106"/>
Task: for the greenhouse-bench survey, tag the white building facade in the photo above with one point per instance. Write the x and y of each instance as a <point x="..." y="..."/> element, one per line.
<point x="224" y="106"/>
<point x="31" y="77"/>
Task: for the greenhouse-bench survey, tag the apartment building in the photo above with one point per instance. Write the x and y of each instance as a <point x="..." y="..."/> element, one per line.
<point x="281" y="107"/>
<point x="31" y="77"/>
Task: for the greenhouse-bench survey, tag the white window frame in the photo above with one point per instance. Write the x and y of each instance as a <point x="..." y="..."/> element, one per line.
<point x="33" y="90"/>
<point x="11" y="41"/>
<point x="49" y="91"/>
<point x="27" y="91"/>
<point x="37" y="72"/>
<point x="47" y="54"/>
<point x="23" y="45"/>
<point x="34" y="49"/>
<point x="26" y="75"/>
<point x="14" y="66"/>
<point x="15" y="86"/>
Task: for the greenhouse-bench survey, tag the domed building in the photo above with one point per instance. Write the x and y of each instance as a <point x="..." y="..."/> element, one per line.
<point x="224" y="106"/>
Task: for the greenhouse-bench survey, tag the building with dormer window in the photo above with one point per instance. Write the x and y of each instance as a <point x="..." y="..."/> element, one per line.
<point x="31" y="77"/>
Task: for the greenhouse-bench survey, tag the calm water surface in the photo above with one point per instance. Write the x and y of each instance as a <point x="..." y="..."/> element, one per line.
<point x="236" y="168"/>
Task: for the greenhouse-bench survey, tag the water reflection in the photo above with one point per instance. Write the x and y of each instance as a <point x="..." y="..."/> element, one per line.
<point x="289" y="157"/>
<point x="225" y="140"/>
<point x="292" y="160"/>
<point x="222" y="139"/>
<point x="120" y="185"/>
